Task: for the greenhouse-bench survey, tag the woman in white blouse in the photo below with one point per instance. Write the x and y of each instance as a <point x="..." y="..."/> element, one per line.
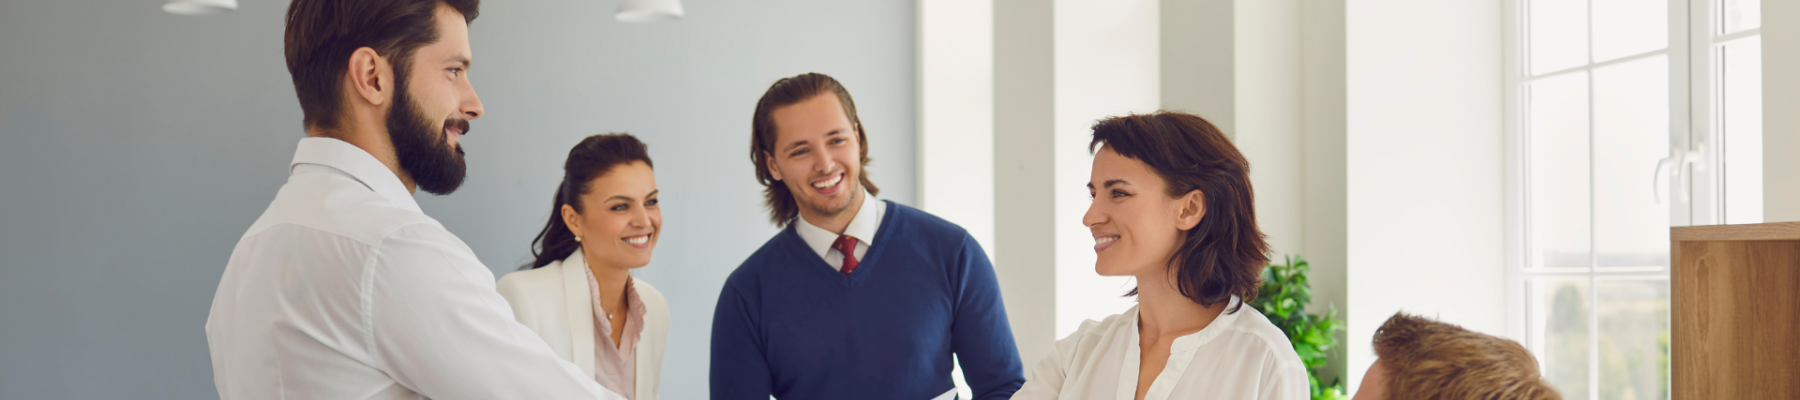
<point x="1172" y="206"/>
<point x="579" y="295"/>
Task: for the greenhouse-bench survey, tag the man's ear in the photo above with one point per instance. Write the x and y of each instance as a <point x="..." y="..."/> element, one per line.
<point x="572" y="219"/>
<point x="1192" y="208"/>
<point x="371" y="77"/>
<point x="774" y="170"/>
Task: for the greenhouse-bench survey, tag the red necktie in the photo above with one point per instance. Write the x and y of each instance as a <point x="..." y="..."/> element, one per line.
<point x="847" y="245"/>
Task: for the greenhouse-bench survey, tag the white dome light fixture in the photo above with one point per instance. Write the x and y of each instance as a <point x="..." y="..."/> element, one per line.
<point x="200" y="7"/>
<point x="646" y="11"/>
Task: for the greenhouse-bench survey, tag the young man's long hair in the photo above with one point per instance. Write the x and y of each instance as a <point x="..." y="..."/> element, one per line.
<point x="787" y="92"/>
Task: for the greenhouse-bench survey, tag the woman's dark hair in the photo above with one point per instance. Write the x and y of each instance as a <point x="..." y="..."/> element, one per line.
<point x="787" y="92"/>
<point x="321" y="35"/>
<point x="590" y="159"/>
<point x="1225" y="254"/>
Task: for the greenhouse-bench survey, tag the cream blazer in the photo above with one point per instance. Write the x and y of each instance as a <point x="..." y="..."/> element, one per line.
<point x="554" y="302"/>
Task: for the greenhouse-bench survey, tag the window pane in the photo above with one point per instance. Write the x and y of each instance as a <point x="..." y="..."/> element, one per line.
<point x="1631" y="134"/>
<point x="1560" y="335"/>
<point x="1627" y="27"/>
<point x="1557" y="133"/>
<point x="1737" y="15"/>
<point x="1634" y="339"/>
<point x="1558" y="34"/>
<point x="1740" y="128"/>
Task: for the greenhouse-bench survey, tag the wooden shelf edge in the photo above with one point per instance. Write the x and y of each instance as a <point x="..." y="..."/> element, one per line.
<point x="1763" y="231"/>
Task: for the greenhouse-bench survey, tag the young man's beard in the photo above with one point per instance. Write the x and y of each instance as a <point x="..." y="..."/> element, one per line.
<point x="423" y="151"/>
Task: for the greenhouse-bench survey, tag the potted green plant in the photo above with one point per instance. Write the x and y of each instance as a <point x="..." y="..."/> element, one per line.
<point x="1283" y="298"/>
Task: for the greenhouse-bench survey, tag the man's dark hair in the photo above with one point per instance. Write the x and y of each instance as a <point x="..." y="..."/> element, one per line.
<point x="321" y="35"/>
<point x="1225" y="253"/>
<point x="787" y="92"/>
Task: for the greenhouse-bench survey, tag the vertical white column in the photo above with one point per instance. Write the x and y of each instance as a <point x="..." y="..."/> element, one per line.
<point x="1323" y="240"/>
<point x="1108" y="63"/>
<point x="1268" y="120"/>
<point x="1024" y="171"/>
<point x="1424" y="164"/>
<point x="1199" y="75"/>
<point x="956" y="114"/>
<point x="1781" y="100"/>
<point x="956" y="120"/>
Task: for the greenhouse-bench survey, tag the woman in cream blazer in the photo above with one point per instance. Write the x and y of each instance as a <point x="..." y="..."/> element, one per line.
<point x="546" y="299"/>
<point x="578" y="294"/>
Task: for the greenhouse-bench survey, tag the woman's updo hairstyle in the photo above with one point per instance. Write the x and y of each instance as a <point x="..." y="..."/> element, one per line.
<point x="1225" y="253"/>
<point x="592" y="158"/>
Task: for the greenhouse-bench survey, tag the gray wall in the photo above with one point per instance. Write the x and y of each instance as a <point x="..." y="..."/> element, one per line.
<point x="136" y="146"/>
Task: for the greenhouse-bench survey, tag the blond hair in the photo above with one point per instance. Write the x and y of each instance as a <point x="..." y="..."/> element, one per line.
<point x="1427" y="359"/>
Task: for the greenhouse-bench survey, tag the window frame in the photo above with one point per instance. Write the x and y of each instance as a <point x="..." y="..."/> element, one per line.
<point x="1695" y="107"/>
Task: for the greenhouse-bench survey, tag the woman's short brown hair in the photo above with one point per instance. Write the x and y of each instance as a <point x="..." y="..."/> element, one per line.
<point x="1427" y="359"/>
<point x="787" y="92"/>
<point x="1224" y="255"/>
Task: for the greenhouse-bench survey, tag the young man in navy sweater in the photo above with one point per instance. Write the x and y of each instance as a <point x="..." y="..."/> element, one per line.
<point x="857" y="298"/>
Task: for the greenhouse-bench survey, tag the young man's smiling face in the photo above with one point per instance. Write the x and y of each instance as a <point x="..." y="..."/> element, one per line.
<point x="817" y="156"/>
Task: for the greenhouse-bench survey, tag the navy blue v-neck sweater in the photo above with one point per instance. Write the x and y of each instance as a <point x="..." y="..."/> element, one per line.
<point x="789" y="325"/>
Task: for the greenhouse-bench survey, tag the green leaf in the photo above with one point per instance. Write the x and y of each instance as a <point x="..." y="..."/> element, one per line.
<point x="1283" y="297"/>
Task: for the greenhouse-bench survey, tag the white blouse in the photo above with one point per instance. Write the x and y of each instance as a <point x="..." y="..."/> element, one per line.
<point x="1239" y="356"/>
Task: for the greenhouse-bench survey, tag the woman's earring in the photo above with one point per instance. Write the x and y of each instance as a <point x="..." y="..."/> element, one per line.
<point x="577" y="238"/>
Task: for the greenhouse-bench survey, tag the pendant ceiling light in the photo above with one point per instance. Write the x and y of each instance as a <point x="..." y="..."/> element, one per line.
<point x="200" y="7"/>
<point x="642" y="11"/>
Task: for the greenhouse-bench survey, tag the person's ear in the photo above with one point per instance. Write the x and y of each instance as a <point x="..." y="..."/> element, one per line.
<point x="371" y="77"/>
<point x="1190" y="209"/>
<point x="572" y="219"/>
<point x="774" y="170"/>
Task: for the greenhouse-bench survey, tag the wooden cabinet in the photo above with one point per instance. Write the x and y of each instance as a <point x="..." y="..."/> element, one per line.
<point x="1736" y="311"/>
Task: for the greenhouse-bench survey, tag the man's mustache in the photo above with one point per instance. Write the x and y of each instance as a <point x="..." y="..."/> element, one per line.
<point x="458" y="123"/>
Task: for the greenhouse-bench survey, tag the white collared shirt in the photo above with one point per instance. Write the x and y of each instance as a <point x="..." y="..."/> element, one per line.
<point x="344" y="289"/>
<point x="1238" y="356"/>
<point x="862" y="227"/>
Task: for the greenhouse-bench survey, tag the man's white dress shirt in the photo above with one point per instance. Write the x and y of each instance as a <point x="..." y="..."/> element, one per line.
<point x="862" y="227"/>
<point x="344" y="289"/>
<point x="1239" y="356"/>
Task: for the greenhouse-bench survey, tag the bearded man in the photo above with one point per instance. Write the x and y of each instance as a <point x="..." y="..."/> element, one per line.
<point x="344" y="288"/>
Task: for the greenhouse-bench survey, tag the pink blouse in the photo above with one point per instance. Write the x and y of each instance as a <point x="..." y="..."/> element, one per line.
<point x="615" y="365"/>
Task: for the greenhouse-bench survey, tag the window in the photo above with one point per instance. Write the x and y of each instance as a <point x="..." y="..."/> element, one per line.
<point x="1626" y="117"/>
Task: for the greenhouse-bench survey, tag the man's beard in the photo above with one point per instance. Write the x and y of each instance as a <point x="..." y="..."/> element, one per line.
<point x="421" y="145"/>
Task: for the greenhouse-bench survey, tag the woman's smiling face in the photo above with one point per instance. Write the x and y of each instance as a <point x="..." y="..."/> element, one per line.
<point x="1136" y="225"/>
<point x="620" y="218"/>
